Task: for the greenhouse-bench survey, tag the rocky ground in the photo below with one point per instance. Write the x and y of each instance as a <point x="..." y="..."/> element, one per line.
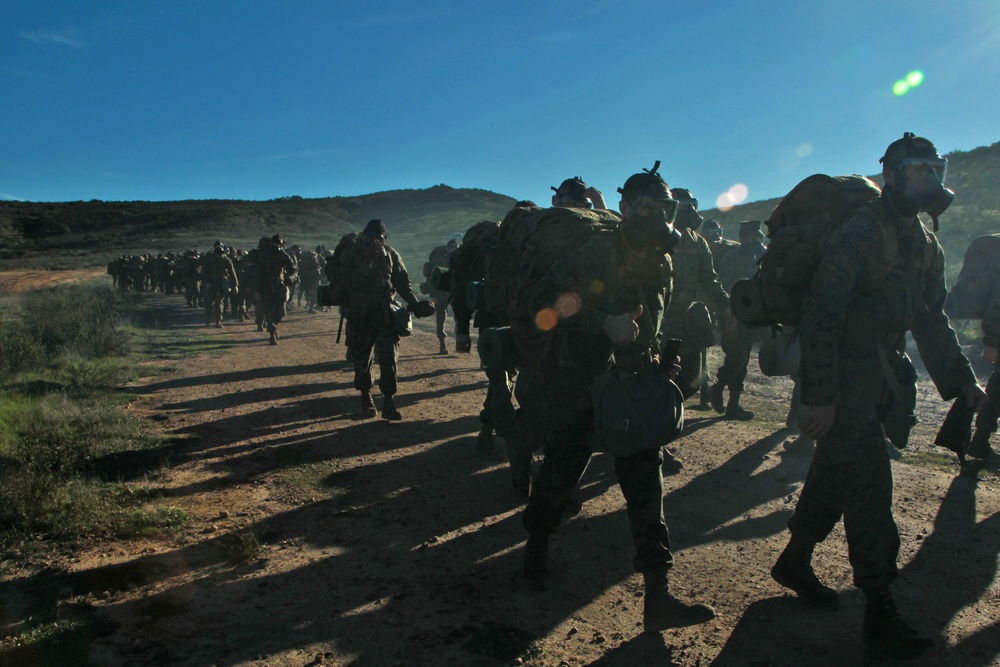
<point x="397" y="544"/>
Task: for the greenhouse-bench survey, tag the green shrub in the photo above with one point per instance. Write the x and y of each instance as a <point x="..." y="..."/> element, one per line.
<point x="240" y="546"/>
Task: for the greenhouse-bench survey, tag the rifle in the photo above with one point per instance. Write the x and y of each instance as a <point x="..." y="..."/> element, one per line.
<point x="340" y="327"/>
<point x="956" y="429"/>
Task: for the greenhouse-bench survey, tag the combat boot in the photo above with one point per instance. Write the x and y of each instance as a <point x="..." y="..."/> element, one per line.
<point x="444" y="348"/>
<point x="389" y="410"/>
<point x="661" y="610"/>
<point x="979" y="447"/>
<point x="888" y="635"/>
<point x="715" y="397"/>
<point x="736" y="411"/>
<point x="274" y="338"/>
<point x="793" y="570"/>
<point x="367" y="405"/>
<point x="536" y="562"/>
<point x="484" y="442"/>
<point x="260" y="326"/>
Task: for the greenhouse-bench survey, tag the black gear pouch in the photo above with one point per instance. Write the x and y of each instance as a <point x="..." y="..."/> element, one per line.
<point x="900" y="416"/>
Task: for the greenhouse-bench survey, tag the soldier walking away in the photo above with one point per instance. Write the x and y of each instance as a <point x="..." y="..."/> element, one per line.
<point x="616" y="325"/>
<point x="986" y="421"/>
<point x="310" y="271"/>
<point x="218" y="278"/>
<point x="373" y="273"/>
<point x="714" y="234"/>
<point x="738" y="340"/>
<point x="440" y="258"/>
<point x="276" y="274"/>
<point x="880" y="274"/>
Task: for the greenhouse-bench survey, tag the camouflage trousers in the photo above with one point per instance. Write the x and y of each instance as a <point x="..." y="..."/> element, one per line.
<point x="376" y="341"/>
<point x="851" y="477"/>
<point x="567" y="454"/>
<point x="272" y="308"/>
<point x="441" y="301"/>
<point x="986" y="420"/>
<point x="531" y="390"/>
<point x="498" y="414"/>
<point x="738" y="350"/>
<point x="214" y="300"/>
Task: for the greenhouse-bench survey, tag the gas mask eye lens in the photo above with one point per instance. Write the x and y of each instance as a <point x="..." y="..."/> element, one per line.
<point x="917" y="167"/>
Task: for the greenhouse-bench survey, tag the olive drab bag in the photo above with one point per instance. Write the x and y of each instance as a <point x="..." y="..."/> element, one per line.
<point x="502" y="267"/>
<point x="795" y="229"/>
<point x="470" y="261"/>
<point x="336" y="291"/>
<point x="547" y="236"/>
<point x="635" y="411"/>
<point x="978" y="280"/>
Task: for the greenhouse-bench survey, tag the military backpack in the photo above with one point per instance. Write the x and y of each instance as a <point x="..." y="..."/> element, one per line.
<point x="977" y="281"/>
<point x="335" y="294"/>
<point x="797" y="226"/>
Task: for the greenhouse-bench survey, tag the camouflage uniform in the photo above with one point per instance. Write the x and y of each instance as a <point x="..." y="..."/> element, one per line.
<point x="695" y="280"/>
<point x="585" y="352"/>
<point x="855" y="306"/>
<point x="986" y="421"/>
<point x="497" y="414"/>
<point x="218" y="277"/>
<point x="310" y="271"/>
<point x="276" y="271"/>
<point x="440" y="257"/>
<point x="373" y="273"/>
<point x="738" y="340"/>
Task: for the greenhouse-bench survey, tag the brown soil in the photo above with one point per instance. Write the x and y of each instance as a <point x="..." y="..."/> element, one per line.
<point x="17" y="281"/>
<point x="396" y="544"/>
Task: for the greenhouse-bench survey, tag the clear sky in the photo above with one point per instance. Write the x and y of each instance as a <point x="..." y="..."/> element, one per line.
<point x="255" y="99"/>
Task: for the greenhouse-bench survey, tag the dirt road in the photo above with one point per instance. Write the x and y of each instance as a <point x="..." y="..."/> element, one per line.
<point x="396" y="544"/>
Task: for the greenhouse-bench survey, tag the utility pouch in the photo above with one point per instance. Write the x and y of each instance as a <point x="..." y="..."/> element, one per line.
<point x="401" y="320"/>
<point x="900" y="416"/>
<point x="635" y="411"/>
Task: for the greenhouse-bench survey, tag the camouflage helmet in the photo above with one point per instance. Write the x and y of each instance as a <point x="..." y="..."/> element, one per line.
<point x="648" y="183"/>
<point x="909" y="146"/>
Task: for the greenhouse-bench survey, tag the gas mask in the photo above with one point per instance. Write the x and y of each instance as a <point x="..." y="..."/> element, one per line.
<point x="650" y="224"/>
<point x="687" y="215"/>
<point x="922" y="187"/>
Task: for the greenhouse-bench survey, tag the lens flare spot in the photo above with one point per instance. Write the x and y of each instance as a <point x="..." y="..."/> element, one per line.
<point x="900" y="88"/>
<point x="915" y="78"/>
<point x="567" y="305"/>
<point x="546" y="319"/>
<point x="735" y="195"/>
<point x="597" y="287"/>
<point x="804" y="150"/>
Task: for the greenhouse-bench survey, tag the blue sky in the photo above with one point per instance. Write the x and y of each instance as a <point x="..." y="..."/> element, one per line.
<point x="213" y="99"/>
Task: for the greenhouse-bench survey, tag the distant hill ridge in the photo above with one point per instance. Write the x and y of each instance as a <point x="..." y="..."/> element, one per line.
<point x="417" y="220"/>
<point x="73" y="234"/>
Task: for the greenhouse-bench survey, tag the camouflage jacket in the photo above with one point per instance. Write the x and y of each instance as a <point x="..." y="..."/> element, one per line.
<point x="694" y="280"/>
<point x="373" y="273"/>
<point x="275" y="271"/>
<point x="310" y="268"/>
<point x="216" y="269"/>
<point x="605" y="277"/>
<point x="719" y="249"/>
<point x="739" y="263"/>
<point x="876" y="280"/>
<point x="991" y="319"/>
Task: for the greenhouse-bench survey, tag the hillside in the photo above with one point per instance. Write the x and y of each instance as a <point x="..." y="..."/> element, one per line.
<point x="975" y="211"/>
<point x="79" y="234"/>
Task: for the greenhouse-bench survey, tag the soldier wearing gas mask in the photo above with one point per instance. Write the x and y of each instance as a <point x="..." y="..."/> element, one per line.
<point x="610" y="295"/>
<point x="880" y="274"/>
<point x="698" y="295"/>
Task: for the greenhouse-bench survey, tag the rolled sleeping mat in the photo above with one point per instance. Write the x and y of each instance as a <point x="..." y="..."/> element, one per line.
<point x="496" y="348"/>
<point x="747" y="303"/>
<point x="441" y="279"/>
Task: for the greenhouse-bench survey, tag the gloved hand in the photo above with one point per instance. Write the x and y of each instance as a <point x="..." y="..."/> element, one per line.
<point x="421" y="308"/>
<point x="463" y="343"/>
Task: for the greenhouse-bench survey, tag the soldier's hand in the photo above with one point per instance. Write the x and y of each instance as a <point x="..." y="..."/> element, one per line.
<point x="818" y="420"/>
<point x="990" y="354"/>
<point x="622" y="329"/>
<point x="975" y="397"/>
<point x="463" y="343"/>
<point x="595" y="196"/>
<point x="421" y="308"/>
<point x="236" y="289"/>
